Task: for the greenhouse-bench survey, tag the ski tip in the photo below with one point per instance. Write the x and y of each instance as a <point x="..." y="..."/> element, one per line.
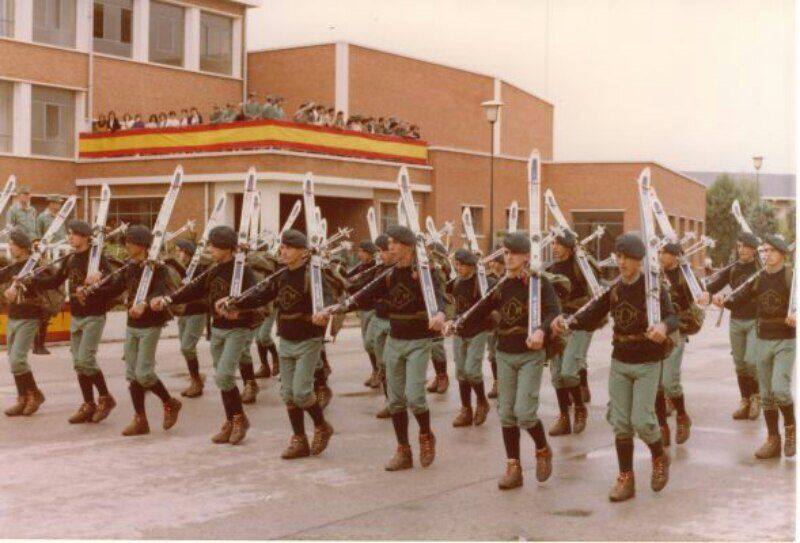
<point x="534" y="155"/>
<point x="735" y="206"/>
<point x="251" y="170"/>
<point x="644" y="177"/>
<point x="179" y="170"/>
<point x="12" y="180"/>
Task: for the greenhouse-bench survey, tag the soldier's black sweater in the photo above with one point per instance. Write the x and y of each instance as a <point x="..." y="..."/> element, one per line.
<point x="381" y="305"/>
<point x="743" y="308"/>
<point x="31" y="305"/>
<point x="128" y="282"/>
<point x="74" y="268"/>
<point x="679" y="293"/>
<point x="214" y="286"/>
<point x="626" y="303"/>
<point x="771" y="293"/>
<point x="578" y="293"/>
<point x="402" y="292"/>
<point x="195" y="307"/>
<point x="467" y="292"/>
<point x="291" y="291"/>
<point x="510" y="300"/>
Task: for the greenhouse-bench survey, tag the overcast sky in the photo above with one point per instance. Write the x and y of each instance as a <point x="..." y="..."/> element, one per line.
<point x="695" y="84"/>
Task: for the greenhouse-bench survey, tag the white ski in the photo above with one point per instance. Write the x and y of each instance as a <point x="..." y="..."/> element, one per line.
<point x="44" y="243"/>
<point x="255" y="221"/>
<point x="401" y="217"/>
<point x="535" y="235"/>
<point x="513" y="216"/>
<point x="8" y="192"/>
<point x="409" y="211"/>
<point x="652" y="286"/>
<point x="372" y="223"/>
<point x="159" y="230"/>
<point x="243" y="238"/>
<point x="469" y="232"/>
<point x="213" y="220"/>
<point x="98" y="231"/>
<point x="314" y="239"/>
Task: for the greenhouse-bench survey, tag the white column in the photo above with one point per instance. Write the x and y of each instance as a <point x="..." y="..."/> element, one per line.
<point x="191" y="35"/>
<point x="23" y="20"/>
<point x="141" y="30"/>
<point x="84" y="15"/>
<point x="236" y="50"/>
<point x="342" y="77"/>
<point x="21" y="107"/>
<point x="82" y="124"/>
<point x="498" y="129"/>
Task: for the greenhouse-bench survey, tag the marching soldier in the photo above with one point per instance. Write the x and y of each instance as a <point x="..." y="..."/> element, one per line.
<point x="408" y="347"/>
<point x="191" y="324"/>
<point x="742" y="328"/>
<point x="230" y="330"/>
<point x="774" y="348"/>
<point x="635" y="363"/>
<point x="366" y="257"/>
<point x="22" y="214"/>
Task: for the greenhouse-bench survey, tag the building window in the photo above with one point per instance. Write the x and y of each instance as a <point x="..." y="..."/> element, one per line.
<point x="167" y="24"/>
<point x="133" y="211"/>
<point x="6" y="116"/>
<point x="113" y="21"/>
<point x="52" y="122"/>
<point x="388" y="215"/>
<point x="477" y="218"/>
<point x="216" y="43"/>
<point x="54" y="22"/>
<point x="6" y="18"/>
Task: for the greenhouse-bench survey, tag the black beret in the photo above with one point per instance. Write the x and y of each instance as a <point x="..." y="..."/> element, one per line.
<point x="748" y="240"/>
<point x="382" y="241"/>
<point x="139" y="234"/>
<point x="401" y="234"/>
<point x="368" y="246"/>
<point x="630" y="245"/>
<point x="294" y="238"/>
<point x="222" y="237"/>
<point x="464" y="256"/>
<point x="567" y="239"/>
<point x="186" y="246"/>
<point x="777" y="242"/>
<point x="673" y="248"/>
<point x="20" y="238"/>
<point x="81" y="228"/>
<point x="517" y="242"/>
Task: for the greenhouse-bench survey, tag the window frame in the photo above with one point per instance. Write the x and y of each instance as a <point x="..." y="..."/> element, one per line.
<point x="7" y="18"/>
<point x="58" y="29"/>
<point x="181" y="42"/>
<point x="70" y="141"/>
<point x="231" y="60"/>
<point x="119" y="16"/>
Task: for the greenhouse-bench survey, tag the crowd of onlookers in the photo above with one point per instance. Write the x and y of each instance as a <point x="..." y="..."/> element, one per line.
<point x="252" y="109"/>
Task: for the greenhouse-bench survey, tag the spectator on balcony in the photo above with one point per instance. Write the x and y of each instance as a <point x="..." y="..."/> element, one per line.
<point x="195" y="117"/>
<point x="173" y="120"/>
<point x="184" y="117"/>
<point x="137" y="122"/>
<point x="414" y="132"/>
<point x="113" y="122"/>
<point x="162" y="120"/>
<point x="252" y="109"/>
<point x="152" y="121"/>
<point x="102" y="124"/>
<point x="216" y="115"/>
<point x="277" y="104"/>
<point x="228" y="114"/>
<point x="339" y="122"/>
<point x="329" y="117"/>
<point x="126" y="123"/>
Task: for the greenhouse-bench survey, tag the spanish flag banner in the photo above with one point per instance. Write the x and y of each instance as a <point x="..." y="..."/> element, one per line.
<point x="249" y="135"/>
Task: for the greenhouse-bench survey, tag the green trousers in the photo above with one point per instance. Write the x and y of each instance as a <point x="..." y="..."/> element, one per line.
<point x="468" y="356"/>
<point x="264" y="335"/>
<point x="377" y="332"/>
<point x="406" y="364"/>
<point x="743" y="341"/>
<point x="140" y="354"/>
<point x="519" y="377"/>
<point x="365" y="317"/>
<point x="298" y="360"/>
<point x="632" y="391"/>
<point x="671" y="368"/>
<point x="491" y="346"/>
<point x="565" y="367"/>
<point x="226" y="352"/>
<point x="20" y="334"/>
<point x="84" y="339"/>
<point x="190" y="330"/>
<point x="775" y="364"/>
<point x="247" y="355"/>
<point x="437" y="350"/>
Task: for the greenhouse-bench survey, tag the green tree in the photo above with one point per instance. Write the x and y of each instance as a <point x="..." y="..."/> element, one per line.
<point x="763" y="219"/>
<point x="788" y="226"/>
<point x="720" y="223"/>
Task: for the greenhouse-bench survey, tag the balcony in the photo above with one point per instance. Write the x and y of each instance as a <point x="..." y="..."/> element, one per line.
<point x="252" y="135"/>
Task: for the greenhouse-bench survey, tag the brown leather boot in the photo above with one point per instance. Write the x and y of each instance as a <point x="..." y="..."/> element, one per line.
<point x="442" y="382"/>
<point x="771" y="448"/>
<point x="427" y="449"/>
<point x="323" y="395"/>
<point x="239" y="426"/>
<point x="35" y="399"/>
<point x="137" y="427"/>
<point x="433" y="384"/>
<point x="263" y="372"/>
<point x="665" y="439"/>
<point x="376" y="380"/>
<point x="383" y="413"/>
<point x="683" y="426"/>
<point x="402" y="459"/>
<point x="481" y="412"/>
<point x="624" y="488"/>
<point x="743" y="411"/>
<point x="322" y="435"/>
<point x="224" y="434"/>
<point x="581" y="415"/>
<point x="789" y="442"/>
<point x="544" y="463"/>
<point x="755" y="407"/>
<point x="368" y="380"/>
<point x="104" y="406"/>
<point x="195" y="388"/>
<point x="561" y="426"/>
<point x="18" y="408"/>
<point x="249" y="392"/>
<point x="586" y="394"/>
<point x="297" y="448"/>
<point x="668" y="407"/>
<point x="171" y="409"/>
<point x="464" y="418"/>
<point x="493" y="391"/>
<point x="512" y="478"/>
<point x="660" y="475"/>
<point x="84" y="414"/>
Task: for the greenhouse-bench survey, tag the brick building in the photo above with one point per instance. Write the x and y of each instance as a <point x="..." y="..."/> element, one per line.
<point x="63" y="63"/>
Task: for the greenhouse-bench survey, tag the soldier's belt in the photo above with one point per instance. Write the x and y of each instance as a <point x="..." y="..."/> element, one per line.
<point x="511" y="331"/>
<point x="419" y="315"/>
<point x="627" y="338"/>
<point x="772" y="320"/>
<point x="295" y="317"/>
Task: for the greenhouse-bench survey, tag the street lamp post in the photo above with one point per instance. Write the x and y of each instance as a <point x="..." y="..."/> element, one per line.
<point x="492" y="110"/>
<point x="757" y="162"/>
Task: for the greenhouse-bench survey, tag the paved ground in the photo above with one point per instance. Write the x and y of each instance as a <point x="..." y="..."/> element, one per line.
<point x="89" y="482"/>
